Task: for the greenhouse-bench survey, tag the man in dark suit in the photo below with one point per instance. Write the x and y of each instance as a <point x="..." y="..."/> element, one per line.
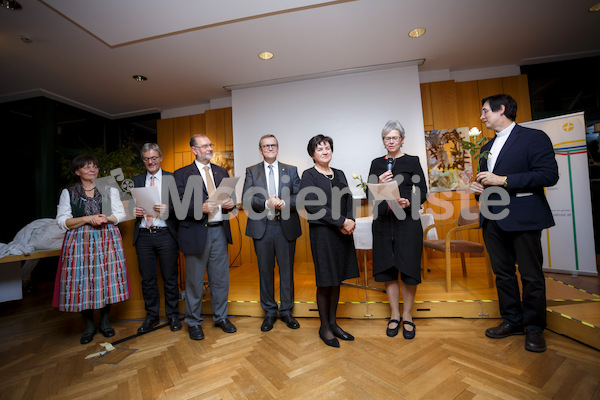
<point x="203" y="241"/>
<point x="522" y="162"/>
<point x="269" y="196"/>
<point x="155" y="238"/>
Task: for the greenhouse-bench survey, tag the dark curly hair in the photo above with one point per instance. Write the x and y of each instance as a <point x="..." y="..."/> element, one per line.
<point x="317" y="140"/>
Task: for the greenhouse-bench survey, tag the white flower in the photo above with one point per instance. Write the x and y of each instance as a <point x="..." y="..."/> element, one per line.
<point x="474" y="132"/>
<point x="355" y="176"/>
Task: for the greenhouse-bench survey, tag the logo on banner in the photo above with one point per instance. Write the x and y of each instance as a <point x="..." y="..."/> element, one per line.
<point x="568" y="127"/>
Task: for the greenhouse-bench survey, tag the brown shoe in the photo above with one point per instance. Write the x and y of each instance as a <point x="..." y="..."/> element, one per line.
<point x="503" y="330"/>
<point x="534" y="341"/>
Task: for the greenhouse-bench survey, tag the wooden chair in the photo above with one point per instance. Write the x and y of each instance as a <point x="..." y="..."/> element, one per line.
<point x="468" y="219"/>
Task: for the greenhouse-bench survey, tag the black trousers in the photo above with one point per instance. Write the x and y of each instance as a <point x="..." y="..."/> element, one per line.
<point x="160" y="246"/>
<point x="274" y="244"/>
<point x="525" y="249"/>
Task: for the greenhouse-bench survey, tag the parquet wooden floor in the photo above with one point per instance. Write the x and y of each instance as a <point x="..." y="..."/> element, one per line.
<point x="41" y="358"/>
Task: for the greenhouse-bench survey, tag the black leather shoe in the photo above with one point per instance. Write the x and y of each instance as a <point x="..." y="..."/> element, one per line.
<point x="329" y="342"/>
<point x="342" y="334"/>
<point x="290" y="321"/>
<point x="267" y="324"/>
<point x="148" y="324"/>
<point x="108" y="332"/>
<point x="87" y="337"/>
<point x="392" y="332"/>
<point x="408" y="334"/>
<point x="504" y="329"/>
<point x="196" y="332"/>
<point x="175" y="324"/>
<point x="534" y="341"/>
<point x="226" y="325"/>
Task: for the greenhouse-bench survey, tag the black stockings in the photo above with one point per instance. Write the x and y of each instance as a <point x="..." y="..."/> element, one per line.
<point x="88" y="318"/>
<point x="327" y="302"/>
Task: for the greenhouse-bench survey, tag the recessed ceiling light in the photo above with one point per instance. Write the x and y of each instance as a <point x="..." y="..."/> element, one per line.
<point x="266" y="55"/>
<point x="417" y="32"/>
<point x="595" y="7"/>
<point x="140" y="78"/>
<point x="11" y="4"/>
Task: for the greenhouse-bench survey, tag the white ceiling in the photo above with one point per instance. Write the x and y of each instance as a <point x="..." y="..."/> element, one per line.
<point x="84" y="53"/>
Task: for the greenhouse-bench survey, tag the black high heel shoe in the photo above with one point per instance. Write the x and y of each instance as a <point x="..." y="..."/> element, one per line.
<point x="393" y="332"/>
<point x="329" y="342"/>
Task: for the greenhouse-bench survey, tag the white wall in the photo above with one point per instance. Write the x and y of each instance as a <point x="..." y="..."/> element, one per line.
<point x="352" y="109"/>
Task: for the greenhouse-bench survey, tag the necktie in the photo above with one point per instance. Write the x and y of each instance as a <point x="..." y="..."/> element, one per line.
<point x="149" y="218"/>
<point x="272" y="187"/>
<point x="210" y="186"/>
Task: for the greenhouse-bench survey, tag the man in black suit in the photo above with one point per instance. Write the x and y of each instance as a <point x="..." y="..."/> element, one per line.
<point x="203" y="241"/>
<point x="155" y="238"/>
<point x="269" y="195"/>
<point x="522" y="162"/>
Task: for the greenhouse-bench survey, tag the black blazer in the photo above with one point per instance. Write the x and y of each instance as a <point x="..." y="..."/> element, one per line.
<point x="140" y="181"/>
<point x="289" y="185"/>
<point x="527" y="160"/>
<point x="192" y="232"/>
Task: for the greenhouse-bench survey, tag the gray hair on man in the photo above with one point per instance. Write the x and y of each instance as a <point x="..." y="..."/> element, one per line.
<point x="150" y="146"/>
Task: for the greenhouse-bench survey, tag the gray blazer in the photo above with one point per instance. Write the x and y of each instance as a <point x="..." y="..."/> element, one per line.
<point x="289" y="185"/>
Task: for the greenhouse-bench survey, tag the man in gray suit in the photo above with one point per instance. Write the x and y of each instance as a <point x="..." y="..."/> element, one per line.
<point x="204" y="241"/>
<point x="269" y="197"/>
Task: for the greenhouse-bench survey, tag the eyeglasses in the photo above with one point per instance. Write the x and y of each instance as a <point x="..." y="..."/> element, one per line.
<point x="148" y="159"/>
<point x="205" y="146"/>
<point x="269" y="146"/>
<point x="388" y="139"/>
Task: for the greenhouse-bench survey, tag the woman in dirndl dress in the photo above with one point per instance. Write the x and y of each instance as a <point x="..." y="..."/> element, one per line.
<point x="92" y="273"/>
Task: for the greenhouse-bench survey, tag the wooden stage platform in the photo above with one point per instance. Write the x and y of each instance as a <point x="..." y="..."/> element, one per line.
<point x="571" y="311"/>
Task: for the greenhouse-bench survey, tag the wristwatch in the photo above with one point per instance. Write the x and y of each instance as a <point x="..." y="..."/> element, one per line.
<point x="505" y="182"/>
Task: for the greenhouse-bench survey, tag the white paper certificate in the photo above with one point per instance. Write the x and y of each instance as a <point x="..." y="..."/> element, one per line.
<point x="146" y="198"/>
<point x="384" y="191"/>
<point x="225" y="190"/>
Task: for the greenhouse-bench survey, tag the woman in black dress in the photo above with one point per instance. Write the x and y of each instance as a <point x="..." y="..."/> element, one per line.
<point x="331" y="230"/>
<point x="397" y="230"/>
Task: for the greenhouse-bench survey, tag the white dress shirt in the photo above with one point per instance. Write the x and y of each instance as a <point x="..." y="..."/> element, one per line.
<point x="501" y="138"/>
<point x="64" y="211"/>
<point x="275" y="175"/>
<point x="156" y="221"/>
<point x="216" y="216"/>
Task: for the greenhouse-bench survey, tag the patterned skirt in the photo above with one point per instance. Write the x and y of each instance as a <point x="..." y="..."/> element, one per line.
<point x="92" y="272"/>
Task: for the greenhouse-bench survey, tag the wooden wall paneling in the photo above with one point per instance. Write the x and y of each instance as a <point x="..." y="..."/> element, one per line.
<point x="488" y="87"/>
<point x="215" y="128"/>
<point x="164" y="137"/>
<point x="518" y="88"/>
<point x="228" y="128"/>
<point x="248" y="256"/>
<point x="181" y="134"/>
<point x="178" y="160"/>
<point x="426" y="104"/>
<point x="234" y="249"/>
<point x="468" y="104"/>
<point x="444" y="105"/>
<point x="197" y="124"/>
